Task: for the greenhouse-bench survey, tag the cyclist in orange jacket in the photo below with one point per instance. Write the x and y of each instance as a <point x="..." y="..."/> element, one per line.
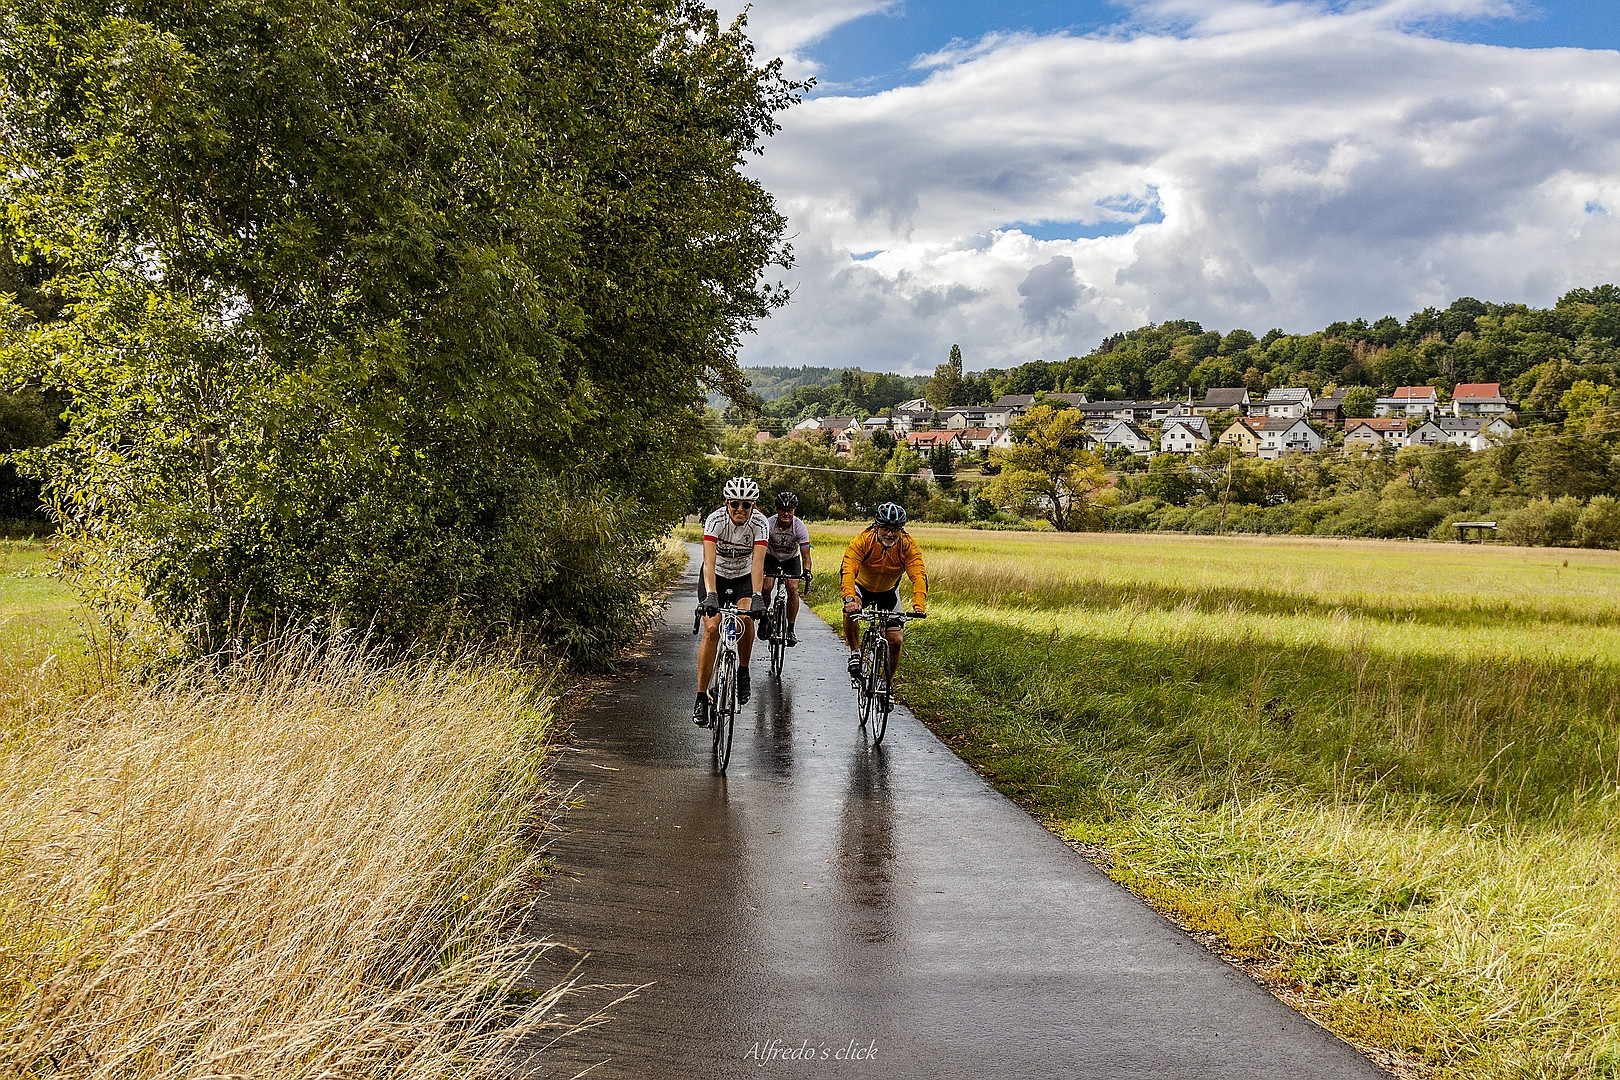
<point x="873" y="563"/>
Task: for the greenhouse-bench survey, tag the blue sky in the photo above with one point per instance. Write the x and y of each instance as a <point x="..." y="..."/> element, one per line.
<point x="876" y="52"/>
<point x="1024" y="179"/>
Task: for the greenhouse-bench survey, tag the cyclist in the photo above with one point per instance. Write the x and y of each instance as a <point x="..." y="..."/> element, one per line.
<point x="873" y="563"/>
<point x="733" y="573"/>
<point x="787" y="554"/>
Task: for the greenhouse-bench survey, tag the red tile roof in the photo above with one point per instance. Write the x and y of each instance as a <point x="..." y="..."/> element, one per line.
<point x="1477" y="390"/>
<point x="1421" y="392"/>
<point x="1381" y="424"/>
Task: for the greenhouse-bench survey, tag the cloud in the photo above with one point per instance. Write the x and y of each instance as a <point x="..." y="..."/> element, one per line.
<point x="1049" y="291"/>
<point x="1242" y="164"/>
<point x="786" y="28"/>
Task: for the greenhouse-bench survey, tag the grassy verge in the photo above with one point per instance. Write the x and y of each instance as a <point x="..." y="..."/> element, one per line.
<point x="1387" y="777"/>
<point x="312" y="867"/>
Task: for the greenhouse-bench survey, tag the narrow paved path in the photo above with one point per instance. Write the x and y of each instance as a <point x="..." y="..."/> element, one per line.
<point x="829" y="896"/>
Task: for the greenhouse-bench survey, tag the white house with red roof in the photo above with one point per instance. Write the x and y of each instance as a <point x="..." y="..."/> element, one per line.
<point x="1409" y="401"/>
<point x="1479" y="399"/>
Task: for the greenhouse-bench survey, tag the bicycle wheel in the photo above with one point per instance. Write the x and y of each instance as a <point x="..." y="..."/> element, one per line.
<point x="725" y="711"/>
<point x="863" y="684"/>
<point x="880" y="691"/>
<point x="778" y="617"/>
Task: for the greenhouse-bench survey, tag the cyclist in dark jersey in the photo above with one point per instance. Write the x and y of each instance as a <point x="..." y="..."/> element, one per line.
<point x="787" y="554"/>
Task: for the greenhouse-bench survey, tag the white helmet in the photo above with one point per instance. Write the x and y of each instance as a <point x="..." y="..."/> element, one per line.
<point x="741" y="487"/>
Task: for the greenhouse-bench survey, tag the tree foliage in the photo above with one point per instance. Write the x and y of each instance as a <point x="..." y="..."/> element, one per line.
<point x="404" y="311"/>
<point x="1049" y="467"/>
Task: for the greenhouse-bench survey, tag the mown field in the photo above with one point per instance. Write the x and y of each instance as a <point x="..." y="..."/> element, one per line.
<point x="311" y="866"/>
<point x="1386" y="776"/>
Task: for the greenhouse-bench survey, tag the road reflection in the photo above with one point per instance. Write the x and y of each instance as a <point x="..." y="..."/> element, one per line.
<point x="866" y="855"/>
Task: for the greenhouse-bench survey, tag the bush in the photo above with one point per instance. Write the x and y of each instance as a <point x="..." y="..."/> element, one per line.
<point x="1544" y="523"/>
<point x="1139" y="516"/>
<point x="1599" y="524"/>
<point x="946" y="510"/>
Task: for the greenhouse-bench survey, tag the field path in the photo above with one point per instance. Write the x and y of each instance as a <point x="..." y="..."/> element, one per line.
<point x="826" y="896"/>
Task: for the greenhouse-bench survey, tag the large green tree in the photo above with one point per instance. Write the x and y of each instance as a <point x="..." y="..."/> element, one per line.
<point x="1049" y="467"/>
<point x="399" y="308"/>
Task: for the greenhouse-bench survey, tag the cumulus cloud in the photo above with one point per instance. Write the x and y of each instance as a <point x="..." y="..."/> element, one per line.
<point x="1049" y="291"/>
<point x="1255" y="165"/>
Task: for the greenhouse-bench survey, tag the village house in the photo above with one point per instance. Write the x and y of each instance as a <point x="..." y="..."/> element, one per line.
<point x="843" y="429"/>
<point x="1281" y="435"/>
<point x="1373" y="433"/>
<point x="959" y="417"/>
<point x="924" y="441"/>
<point x="1410" y="402"/>
<point x="1219" y="399"/>
<point x="984" y="438"/>
<point x="1329" y="410"/>
<point x="1479" y="399"/>
<point x="1019" y="404"/>
<point x="1288" y="402"/>
<point x="1184" y="435"/>
<point x="1124" y="435"/>
<point x="1244" y="435"/>
<point x="1472" y="432"/>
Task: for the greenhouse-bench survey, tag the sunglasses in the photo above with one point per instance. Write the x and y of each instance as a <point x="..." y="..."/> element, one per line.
<point x="740" y="504"/>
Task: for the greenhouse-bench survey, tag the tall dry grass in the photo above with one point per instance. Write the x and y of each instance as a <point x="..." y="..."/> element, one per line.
<point x="310" y="867"/>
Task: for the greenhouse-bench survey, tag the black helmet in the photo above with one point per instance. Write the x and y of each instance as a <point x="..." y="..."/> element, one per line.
<point x="786" y="499"/>
<point x="890" y="514"/>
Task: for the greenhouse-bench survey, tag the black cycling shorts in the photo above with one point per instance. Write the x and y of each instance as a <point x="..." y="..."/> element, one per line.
<point x="775" y="568"/>
<point x="883" y="601"/>
<point x="728" y="589"/>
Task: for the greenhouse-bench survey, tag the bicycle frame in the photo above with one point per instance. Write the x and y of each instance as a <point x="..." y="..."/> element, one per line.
<point x="874" y="699"/>
<point x="727" y="659"/>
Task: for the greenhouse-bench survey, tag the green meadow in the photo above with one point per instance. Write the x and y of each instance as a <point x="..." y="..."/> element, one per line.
<point x="1385" y="776"/>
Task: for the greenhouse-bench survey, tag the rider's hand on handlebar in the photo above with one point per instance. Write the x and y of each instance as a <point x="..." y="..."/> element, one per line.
<point x="852" y="605"/>
<point x="711" y="606"/>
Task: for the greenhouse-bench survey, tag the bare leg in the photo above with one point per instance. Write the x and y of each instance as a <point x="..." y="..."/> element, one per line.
<point x="895" y="637"/>
<point x="793" y="600"/>
<point x="746" y="644"/>
<point x="706" y="651"/>
<point x="851" y="634"/>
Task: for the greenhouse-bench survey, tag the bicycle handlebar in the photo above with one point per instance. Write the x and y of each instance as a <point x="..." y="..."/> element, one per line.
<point x="868" y="614"/>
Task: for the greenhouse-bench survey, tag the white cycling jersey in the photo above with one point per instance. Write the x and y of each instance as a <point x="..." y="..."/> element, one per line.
<point x="734" y="544"/>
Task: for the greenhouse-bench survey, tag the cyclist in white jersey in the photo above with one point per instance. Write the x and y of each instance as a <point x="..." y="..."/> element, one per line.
<point x="733" y="573"/>
<point x="787" y="554"/>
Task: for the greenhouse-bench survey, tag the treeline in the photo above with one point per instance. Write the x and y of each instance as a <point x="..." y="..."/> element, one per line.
<point x="1536" y="353"/>
<point x="1548" y="486"/>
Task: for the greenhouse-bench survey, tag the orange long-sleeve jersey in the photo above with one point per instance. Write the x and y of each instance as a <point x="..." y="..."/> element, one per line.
<point x="878" y="569"/>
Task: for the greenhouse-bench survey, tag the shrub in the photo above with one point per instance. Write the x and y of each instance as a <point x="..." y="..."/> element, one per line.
<point x="942" y="509"/>
<point x="1544" y="523"/>
<point x="1599" y="523"/>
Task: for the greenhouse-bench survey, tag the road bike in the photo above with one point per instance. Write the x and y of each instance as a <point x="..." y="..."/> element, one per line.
<point x="776" y="622"/>
<point x="875" y="696"/>
<point x="723" y="717"/>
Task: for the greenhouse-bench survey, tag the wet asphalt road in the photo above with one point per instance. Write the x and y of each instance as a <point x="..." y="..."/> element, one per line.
<point x="886" y="910"/>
